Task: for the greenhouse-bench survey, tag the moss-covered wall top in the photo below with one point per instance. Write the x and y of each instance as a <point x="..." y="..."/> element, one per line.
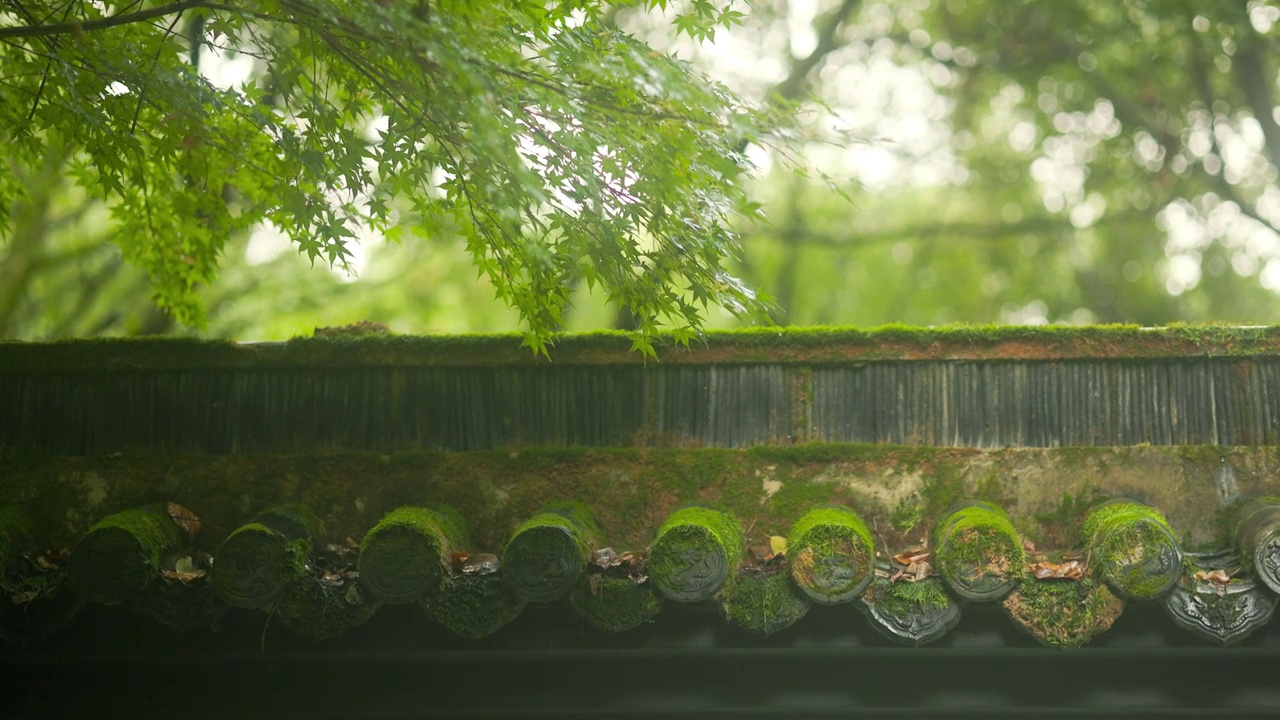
<point x="750" y="346"/>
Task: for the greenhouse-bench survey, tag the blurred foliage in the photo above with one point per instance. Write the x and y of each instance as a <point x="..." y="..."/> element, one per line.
<point x="1031" y="161"/>
<point x="558" y="148"/>
<point x="1080" y="161"/>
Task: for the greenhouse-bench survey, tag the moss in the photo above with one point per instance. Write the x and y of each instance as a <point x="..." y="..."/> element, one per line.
<point x="1133" y="548"/>
<point x="615" y="605"/>
<point x="404" y="556"/>
<point x="292" y="520"/>
<point x="830" y="552"/>
<point x="55" y="605"/>
<point x="979" y="552"/>
<point x="549" y="551"/>
<point x="18" y="533"/>
<point x="810" y="344"/>
<point x="473" y="606"/>
<point x="318" y="612"/>
<point x="904" y="597"/>
<point x="762" y="602"/>
<point x="1063" y="613"/>
<point x="180" y="606"/>
<point x="121" y="555"/>
<point x="1060" y="527"/>
<point x="944" y="487"/>
<point x="256" y="564"/>
<point x="1209" y="455"/>
<point x="695" y="551"/>
<point x="913" y="612"/>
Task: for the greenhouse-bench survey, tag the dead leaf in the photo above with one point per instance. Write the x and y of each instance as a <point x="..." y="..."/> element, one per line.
<point x="777" y="545"/>
<point x="52" y="559"/>
<point x="184" y="570"/>
<point x="911" y="556"/>
<point x="187" y="520"/>
<point x="457" y="559"/>
<point x="350" y="543"/>
<point x="1216" y="576"/>
<point x="919" y="570"/>
<point x="603" y="557"/>
<point x="331" y="580"/>
<point x="480" y="564"/>
<point x="1069" y="570"/>
<point x="353" y="595"/>
<point x="186" y="578"/>
<point x="913" y="572"/>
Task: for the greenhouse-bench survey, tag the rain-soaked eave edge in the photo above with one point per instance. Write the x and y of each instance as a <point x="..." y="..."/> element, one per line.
<point x="814" y="345"/>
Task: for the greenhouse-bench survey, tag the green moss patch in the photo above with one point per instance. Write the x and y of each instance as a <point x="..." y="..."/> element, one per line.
<point x="473" y="606"/>
<point x="905" y="597"/>
<point x="1132" y="547"/>
<point x="17" y="538"/>
<point x="549" y="551"/>
<point x="121" y="555"/>
<point x="763" y="602"/>
<point x="830" y="554"/>
<point x="1063" y="613"/>
<point x="696" y="549"/>
<point x="979" y="552"/>
<point x="751" y="345"/>
<point x="915" y="613"/>
<point x="404" y="556"/>
<point x="317" y="611"/>
<point x="615" y="605"/>
<point x="179" y="606"/>
<point x="255" y="566"/>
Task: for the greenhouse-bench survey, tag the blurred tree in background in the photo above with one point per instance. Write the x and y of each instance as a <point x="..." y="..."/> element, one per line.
<point x="984" y="161"/>
<point x="1043" y="160"/>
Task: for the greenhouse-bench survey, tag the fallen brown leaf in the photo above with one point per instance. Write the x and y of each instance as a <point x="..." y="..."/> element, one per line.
<point x="911" y="556"/>
<point x="187" y="520"/>
<point x="185" y="578"/>
<point x="1069" y="570"/>
<point x="457" y="560"/>
<point x="480" y="564"/>
<point x="1217" y="576"/>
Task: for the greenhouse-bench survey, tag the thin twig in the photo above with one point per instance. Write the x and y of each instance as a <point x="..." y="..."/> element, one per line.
<point x="62" y="28"/>
<point x="155" y="60"/>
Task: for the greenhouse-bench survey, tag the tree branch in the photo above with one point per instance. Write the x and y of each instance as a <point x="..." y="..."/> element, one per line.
<point x="974" y="230"/>
<point x="62" y="28"/>
<point x="828" y="42"/>
<point x="1256" y="78"/>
